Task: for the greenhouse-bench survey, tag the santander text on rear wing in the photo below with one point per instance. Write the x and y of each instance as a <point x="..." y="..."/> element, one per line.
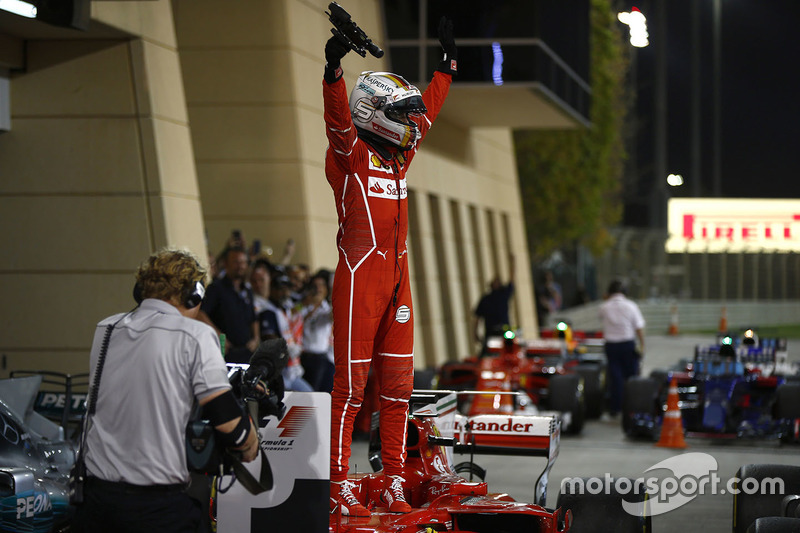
<point x="491" y="434"/>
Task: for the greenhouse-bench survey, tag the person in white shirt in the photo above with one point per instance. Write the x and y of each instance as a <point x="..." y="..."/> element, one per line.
<point x="316" y="357"/>
<point x="623" y="325"/>
<point x="149" y="368"/>
<point x="275" y="321"/>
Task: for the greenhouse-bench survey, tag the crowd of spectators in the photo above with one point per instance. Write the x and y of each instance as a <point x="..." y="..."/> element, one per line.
<point x="254" y="297"/>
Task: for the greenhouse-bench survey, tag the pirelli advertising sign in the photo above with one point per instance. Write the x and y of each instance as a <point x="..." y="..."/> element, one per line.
<point x="712" y="225"/>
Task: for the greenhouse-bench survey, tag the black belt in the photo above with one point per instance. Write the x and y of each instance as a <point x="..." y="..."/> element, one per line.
<point x="131" y="488"/>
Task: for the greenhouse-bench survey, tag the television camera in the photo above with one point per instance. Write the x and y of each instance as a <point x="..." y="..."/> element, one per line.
<point x="348" y="32"/>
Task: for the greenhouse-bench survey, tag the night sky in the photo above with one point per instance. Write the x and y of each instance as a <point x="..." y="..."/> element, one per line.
<point x="760" y="101"/>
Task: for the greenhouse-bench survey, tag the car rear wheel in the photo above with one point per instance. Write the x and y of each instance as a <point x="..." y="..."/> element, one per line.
<point x="640" y="398"/>
<point x="471" y="471"/>
<point x="621" y="505"/>
<point x="787" y="401"/>
<point x="567" y="396"/>
<point x="787" y="409"/>
<point x="775" y="524"/>
<point x="594" y="382"/>
<point x="752" y="498"/>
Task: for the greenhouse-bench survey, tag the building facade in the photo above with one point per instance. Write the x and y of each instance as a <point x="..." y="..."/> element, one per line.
<point x="172" y="123"/>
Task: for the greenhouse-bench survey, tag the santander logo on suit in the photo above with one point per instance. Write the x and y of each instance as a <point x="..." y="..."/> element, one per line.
<point x="387" y="188"/>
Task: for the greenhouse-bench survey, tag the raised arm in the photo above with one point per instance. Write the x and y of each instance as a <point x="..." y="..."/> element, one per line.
<point x="437" y="90"/>
<point x="339" y="127"/>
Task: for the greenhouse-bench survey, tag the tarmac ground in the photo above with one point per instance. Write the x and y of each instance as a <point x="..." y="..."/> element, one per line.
<point x="602" y="449"/>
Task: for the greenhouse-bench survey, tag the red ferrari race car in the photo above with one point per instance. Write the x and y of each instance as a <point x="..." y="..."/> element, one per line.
<point x="442" y="500"/>
<point x="585" y="355"/>
<point x="578" y="341"/>
<point x="552" y="377"/>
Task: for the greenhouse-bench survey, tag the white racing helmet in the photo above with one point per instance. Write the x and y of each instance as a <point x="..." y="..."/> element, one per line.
<point x="380" y="105"/>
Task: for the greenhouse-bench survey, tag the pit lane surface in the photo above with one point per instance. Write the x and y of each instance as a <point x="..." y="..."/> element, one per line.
<point x="602" y="448"/>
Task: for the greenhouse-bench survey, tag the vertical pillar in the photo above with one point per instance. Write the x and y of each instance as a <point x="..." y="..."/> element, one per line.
<point x="704" y="273"/>
<point x="784" y="287"/>
<point x="452" y="312"/>
<point x="740" y="277"/>
<point x="723" y="276"/>
<point x="466" y="261"/>
<point x="756" y="257"/>
<point x="428" y="350"/>
<point x="770" y="274"/>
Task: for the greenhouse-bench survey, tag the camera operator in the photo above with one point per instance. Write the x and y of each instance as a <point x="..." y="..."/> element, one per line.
<point x="159" y="361"/>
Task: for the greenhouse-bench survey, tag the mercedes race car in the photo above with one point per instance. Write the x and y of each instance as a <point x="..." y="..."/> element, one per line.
<point x="61" y="398"/>
<point x="729" y="389"/>
<point x="35" y="460"/>
<point x="443" y="500"/>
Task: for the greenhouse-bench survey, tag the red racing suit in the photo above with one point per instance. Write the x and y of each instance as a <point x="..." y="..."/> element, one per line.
<point x="372" y="312"/>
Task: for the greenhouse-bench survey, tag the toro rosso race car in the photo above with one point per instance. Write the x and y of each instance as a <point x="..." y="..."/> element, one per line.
<point x="549" y="376"/>
<point x="35" y="460"/>
<point x="442" y="500"/>
<point x="735" y="388"/>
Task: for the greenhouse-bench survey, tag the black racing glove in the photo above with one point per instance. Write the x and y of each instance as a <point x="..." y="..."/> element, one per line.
<point x="450" y="59"/>
<point x="335" y="50"/>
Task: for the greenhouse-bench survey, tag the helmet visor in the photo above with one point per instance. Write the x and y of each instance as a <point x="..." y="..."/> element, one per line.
<point x="399" y="111"/>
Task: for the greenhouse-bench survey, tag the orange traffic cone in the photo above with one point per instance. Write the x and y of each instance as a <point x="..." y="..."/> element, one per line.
<point x="723" y="321"/>
<point x="672" y="427"/>
<point x="673" y="320"/>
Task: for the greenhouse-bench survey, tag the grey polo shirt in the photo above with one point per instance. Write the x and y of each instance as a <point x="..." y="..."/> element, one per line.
<point x="158" y="362"/>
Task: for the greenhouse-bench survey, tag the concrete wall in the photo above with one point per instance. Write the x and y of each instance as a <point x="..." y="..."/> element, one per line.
<point x="253" y="75"/>
<point x="97" y="172"/>
<point x="169" y="122"/>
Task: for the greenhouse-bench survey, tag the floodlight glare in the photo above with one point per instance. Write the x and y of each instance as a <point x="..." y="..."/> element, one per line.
<point x="18" y="7"/>
<point x="675" y="180"/>
<point x="637" y="23"/>
<point x="497" y="66"/>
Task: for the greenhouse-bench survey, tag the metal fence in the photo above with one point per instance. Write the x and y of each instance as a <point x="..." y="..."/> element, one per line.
<point x="751" y="289"/>
<point x="695" y="315"/>
<point x="651" y="273"/>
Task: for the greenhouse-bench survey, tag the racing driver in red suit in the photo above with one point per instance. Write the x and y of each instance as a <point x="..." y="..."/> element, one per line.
<point x="373" y="136"/>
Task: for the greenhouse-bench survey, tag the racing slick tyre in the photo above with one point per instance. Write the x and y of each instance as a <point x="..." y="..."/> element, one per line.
<point x="661" y="377"/>
<point x="787" y="401"/>
<point x="474" y="471"/>
<point x="787" y="409"/>
<point x="567" y="396"/>
<point x="457" y="376"/>
<point x="756" y="493"/>
<point x="640" y="398"/>
<point x="620" y="506"/>
<point x="775" y="524"/>
<point x="594" y="388"/>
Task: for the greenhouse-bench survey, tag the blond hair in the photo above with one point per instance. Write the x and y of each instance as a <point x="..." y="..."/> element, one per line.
<point x="169" y="275"/>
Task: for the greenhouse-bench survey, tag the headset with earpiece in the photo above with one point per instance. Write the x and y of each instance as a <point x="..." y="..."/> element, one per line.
<point x="191" y="296"/>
